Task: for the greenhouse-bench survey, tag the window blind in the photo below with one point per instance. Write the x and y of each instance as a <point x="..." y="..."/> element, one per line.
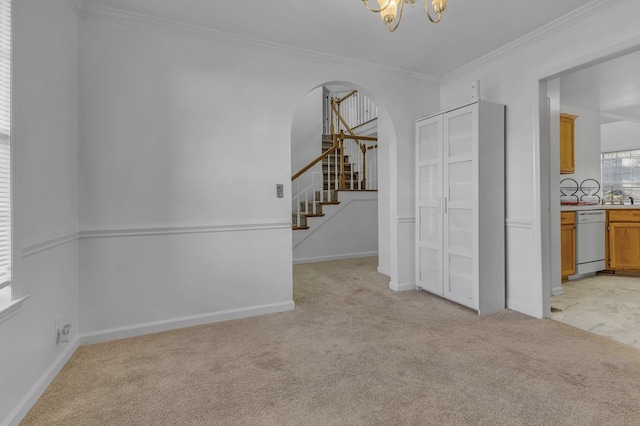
<point x="5" y="138"/>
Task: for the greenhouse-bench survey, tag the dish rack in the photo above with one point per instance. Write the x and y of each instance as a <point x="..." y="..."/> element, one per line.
<point x="586" y="193"/>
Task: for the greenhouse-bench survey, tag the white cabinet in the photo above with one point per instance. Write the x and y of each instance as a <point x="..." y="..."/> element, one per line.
<point x="460" y="210"/>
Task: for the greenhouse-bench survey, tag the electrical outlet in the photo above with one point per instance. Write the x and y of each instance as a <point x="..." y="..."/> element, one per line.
<point x="280" y="190"/>
<point x="57" y="325"/>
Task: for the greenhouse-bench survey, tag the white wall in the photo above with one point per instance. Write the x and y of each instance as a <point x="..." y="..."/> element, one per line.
<point x="46" y="200"/>
<point x="620" y="136"/>
<point x="347" y="230"/>
<point x="586" y="144"/>
<point x="511" y="77"/>
<point x="185" y="138"/>
<point x="306" y="130"/>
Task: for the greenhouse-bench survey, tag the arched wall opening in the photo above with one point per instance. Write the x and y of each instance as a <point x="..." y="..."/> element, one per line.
<point x="302" y="153"/>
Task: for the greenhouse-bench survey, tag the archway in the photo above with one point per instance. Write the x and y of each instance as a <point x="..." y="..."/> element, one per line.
<point x="355" y="206"/>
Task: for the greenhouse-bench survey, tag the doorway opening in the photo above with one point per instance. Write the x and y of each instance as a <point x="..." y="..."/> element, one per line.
<point x="339" y="175"/>
<point x="603" y="97"/>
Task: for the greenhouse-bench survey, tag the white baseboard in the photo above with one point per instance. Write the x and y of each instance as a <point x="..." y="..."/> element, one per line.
<point x="336" y="257"/>
<point x="527" y="310"/>
<point x="557" y="290"/>
<point x="21" y="410"/>
<point x="402" y="286"/>
<point x="384" y="271"/>
<point x="36" y="391"/>
<point x="174" y="323"/>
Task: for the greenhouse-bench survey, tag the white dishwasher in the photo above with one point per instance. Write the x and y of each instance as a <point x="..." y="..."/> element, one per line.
<point x="590" y="234"/>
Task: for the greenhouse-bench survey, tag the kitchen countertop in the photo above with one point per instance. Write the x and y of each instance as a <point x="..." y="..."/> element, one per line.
<point x="570" y="208"/>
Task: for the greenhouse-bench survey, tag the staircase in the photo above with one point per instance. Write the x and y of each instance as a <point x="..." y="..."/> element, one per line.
<point x="342" y="166"/>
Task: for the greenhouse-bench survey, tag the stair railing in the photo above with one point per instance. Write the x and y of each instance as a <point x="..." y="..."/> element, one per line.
<point x="349" y="164"/>
<point x="309" y="187"/>
<point x="356" y="108"/>
<point x="355" y="150"/>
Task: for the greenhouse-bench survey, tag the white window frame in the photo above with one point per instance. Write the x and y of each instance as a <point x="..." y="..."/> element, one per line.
<point x="10" y="298"/>
<point x="625" y="187"/>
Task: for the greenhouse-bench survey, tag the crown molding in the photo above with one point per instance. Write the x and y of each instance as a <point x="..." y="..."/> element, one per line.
<point x="76" y="5"/>
<point x="546" y="31"/>
<point x="148" y="22"/>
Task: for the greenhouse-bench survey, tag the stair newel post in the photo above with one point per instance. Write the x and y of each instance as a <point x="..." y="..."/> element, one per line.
<point x="296" y="199"/>
<point x="306" y="201"/>
<point x="363" y="184"/>
<point x="333" y="103"/>
<point x="351" y="157"/>
<point x="313" y="192"/>
<point x="342" y="183"/>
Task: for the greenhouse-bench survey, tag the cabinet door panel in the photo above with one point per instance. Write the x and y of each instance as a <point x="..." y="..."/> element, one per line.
<point x="459" y="134"/>
<point x="624" y="245"/>
<point x="460" y="230"/>
<point x="568" y="249"/>
<point x="460" y="179"/>
<point x="429" y="205"/>
<point x="430" y="184"/>
<point x="430" y="270"/>
<point x="429" y="148"/>
<point x="460" y="279"/>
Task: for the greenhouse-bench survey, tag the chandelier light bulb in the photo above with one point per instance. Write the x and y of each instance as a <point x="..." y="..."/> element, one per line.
<point x="391" y="10"/>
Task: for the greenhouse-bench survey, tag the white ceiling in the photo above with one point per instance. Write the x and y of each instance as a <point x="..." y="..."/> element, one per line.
<point x="611" y="87"/>
<point x="469" y="29"/>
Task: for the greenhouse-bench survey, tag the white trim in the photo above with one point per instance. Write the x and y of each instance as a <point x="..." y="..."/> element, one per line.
<point x="527" y="310"/>
<point x="148" y="22"/>
<point x="336" y="257"/>
<point x="383" y="271"/>
<point x="38" y="243"/>
<point x="76" y="5"/>
<point x="328" y="216"/>
<point x="36" y="391"/>
<point x="402" y="286"/>
<point x="229" y="226"/>
<point x="542" y="195"/>
<point x="11" y="309"/>
<point x="182" y="322"/>
<point x="546" y="31"/>
<point x="517" y="222"/>
<point x="406" y="219"/>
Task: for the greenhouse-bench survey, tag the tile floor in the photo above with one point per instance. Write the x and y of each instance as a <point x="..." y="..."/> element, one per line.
<point x="608" y="305"/>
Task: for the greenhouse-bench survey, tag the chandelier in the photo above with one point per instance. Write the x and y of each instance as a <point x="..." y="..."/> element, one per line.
<point x="391" y="11"/>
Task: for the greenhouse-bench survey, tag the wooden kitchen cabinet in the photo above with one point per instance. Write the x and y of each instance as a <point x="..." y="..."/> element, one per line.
<point x="568" y="244"/>
<point x="567" y="148"/>
<point x="623" y="238"/>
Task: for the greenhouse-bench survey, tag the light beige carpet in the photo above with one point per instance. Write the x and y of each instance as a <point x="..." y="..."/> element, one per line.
<point x="352" y="353"/>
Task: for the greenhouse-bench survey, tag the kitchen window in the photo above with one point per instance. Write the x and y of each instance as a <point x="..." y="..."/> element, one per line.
<point x="621" y="170"/>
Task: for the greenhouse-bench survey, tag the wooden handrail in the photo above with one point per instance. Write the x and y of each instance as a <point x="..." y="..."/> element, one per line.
<point x="314" y="162"/>
<point x="356" y="137"/>
<point x="347" y="96"/>
<point x="344" y="123"/>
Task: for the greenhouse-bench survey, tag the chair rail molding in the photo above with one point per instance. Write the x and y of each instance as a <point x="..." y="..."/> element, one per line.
<point x="37" y="243"/>
<point x="223" y="226"/>
<point x="518" y="222"/>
